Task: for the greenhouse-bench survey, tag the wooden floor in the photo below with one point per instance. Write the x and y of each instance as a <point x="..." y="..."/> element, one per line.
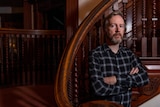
<point x="27" y="96"/>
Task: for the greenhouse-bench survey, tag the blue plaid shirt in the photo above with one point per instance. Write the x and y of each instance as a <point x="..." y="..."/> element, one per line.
<point x="103" y="62"/>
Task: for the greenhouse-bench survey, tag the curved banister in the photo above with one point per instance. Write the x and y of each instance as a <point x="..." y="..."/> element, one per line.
<point x="70" y="52"/>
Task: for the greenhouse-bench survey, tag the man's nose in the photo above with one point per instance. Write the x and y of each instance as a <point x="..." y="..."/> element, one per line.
<point x="117" y="29"/>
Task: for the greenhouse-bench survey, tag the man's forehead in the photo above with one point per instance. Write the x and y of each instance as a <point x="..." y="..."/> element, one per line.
<point x="115" y="19"/>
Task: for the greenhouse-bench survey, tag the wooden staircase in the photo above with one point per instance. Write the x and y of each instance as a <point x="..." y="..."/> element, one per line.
<point x="72" y="85"/>
<point x="30" y="57"/>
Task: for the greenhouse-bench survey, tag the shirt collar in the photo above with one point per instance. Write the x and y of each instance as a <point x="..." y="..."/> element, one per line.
<point x="106" y="48"/>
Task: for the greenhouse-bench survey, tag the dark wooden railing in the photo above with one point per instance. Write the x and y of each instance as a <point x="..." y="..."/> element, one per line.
<point x="29" y="57"/>
<point x="72" y="85"/>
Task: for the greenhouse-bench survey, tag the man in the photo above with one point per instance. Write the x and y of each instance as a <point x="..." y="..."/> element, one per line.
<point x="114" y="69"/>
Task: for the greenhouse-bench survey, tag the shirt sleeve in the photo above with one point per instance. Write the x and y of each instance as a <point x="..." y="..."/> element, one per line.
<point x="99" y="87"/>
<point x="137" y="80"/>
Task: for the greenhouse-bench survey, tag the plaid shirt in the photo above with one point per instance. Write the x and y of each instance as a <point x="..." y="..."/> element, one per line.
<point x="103" y="62"/>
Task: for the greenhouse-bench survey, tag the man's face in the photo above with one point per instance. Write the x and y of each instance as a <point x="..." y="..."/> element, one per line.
<point x="115" y="29"/>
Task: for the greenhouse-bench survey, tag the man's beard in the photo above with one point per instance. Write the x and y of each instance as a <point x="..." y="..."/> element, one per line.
<point x="114" y="40"/>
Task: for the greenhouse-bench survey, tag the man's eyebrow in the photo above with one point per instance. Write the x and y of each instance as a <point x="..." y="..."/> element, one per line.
<point x="116" y="23"/>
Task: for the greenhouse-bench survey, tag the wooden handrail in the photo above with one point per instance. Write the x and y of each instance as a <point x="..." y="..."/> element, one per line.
<point x="30" y="31"/>
<point x="70" y="52"/>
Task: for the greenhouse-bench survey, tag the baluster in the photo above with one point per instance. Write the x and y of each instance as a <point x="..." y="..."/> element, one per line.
<point x="134" y="25"/>
<point x="28" y="60"/>
<point x="97" y="33"/>
<point x="43" y="49"/>
<point x="6" y="69"/>
<point x="144" y="38"/>
<point x="125" y="18"/>
<point x="84" y="70"/>
<point x="23" y="58"/>
<point x="102" y="30"/>
<point x="70" y="89"/>
<point x="12" y="47"/>
<point x="1" y="60"/>
<point x="33" y="38"/>
<point x="75" y="86"/>
<point x="10" y="58"/>
<point x="89" y="42"/>
<point x="154" y="38"/>
<point x="18" y="68"/>
<point x="2" y="42"/>
<point x="16" y="52"/>
<point x="27" y="54"/>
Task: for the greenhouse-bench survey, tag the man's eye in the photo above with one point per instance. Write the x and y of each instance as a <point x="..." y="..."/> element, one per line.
<point x="122" y="26"/>
<point x="112" y="25"/>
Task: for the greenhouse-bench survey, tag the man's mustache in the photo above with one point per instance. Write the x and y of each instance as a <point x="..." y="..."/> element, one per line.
<point x="116" y="34"/>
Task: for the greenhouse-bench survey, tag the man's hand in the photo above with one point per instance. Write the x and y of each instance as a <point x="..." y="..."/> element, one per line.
<point x="134" y="71"/>
<point x="110" y="80"/>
